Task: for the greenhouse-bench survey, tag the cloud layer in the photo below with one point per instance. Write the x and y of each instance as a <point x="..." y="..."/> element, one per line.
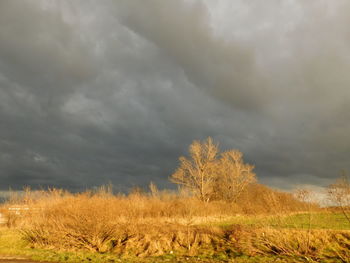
<point x="93" y="92"/>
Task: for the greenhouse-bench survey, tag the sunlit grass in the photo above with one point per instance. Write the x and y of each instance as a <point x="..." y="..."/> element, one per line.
<point x="12" y="246"/>
<point x="313" y="220"/>
<point x="335" y="221"/>
<point x="101" y="227"/>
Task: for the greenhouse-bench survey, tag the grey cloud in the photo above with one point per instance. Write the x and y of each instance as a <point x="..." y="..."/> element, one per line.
<point x="93" y="92"/>
<point x="224" y="69"/>
<point x="40" y="52"/>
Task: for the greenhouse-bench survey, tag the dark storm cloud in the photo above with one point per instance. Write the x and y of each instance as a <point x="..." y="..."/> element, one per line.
<point x="93" y="92"/>
<point x="224" y="69"/>
<point x="40" y="53"/>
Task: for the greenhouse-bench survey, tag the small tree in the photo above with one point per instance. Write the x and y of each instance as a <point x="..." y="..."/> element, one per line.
<point x="339" y="193"/>
<point x="208" y="176"/>
<point x="197" y="173"/>
<point x="233" y="175"/>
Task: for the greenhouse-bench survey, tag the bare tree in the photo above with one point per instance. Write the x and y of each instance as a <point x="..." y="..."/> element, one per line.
<point x="198" y="172"/>
<point x="339" y="193"/>
<point x="233" y="175"/>
<point x="208" y="176"/>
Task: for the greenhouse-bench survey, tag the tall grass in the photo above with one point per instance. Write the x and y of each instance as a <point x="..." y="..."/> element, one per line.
<point x="310" y="244"/>
<point x="163" y="222"/>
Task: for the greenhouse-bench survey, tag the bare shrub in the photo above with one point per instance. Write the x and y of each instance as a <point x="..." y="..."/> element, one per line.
<point x="75" y="222"/>
<point x="260" y="199"/>
<point x="315" y="245"/>
<point x="139" y="223"/>
<point x="339" y="194"/>
<point x="115" y="224"/>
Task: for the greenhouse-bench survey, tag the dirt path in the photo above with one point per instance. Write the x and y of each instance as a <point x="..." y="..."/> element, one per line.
<point x="20" y="261"/>
<point x="17" y="260"/>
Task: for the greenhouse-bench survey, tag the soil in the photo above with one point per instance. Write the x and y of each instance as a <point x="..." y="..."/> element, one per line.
<point x="17" y="260"/>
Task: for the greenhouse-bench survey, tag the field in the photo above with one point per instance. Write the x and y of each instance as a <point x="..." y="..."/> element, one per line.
<point x="315" y="220"/>
<point x="101" y="227"/>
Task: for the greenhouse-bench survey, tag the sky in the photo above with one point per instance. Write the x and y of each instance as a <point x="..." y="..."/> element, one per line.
<point x="114" y="91"/>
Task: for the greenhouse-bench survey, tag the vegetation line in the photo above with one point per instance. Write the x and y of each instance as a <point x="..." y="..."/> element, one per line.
<point x="219" y="213"/>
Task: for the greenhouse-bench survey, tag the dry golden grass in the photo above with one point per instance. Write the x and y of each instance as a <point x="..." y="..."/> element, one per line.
<point x="163" y="223"/>
<point x="101" y="222"/>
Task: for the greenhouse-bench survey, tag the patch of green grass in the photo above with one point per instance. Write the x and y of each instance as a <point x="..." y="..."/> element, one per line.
<point x="335" y="221"/>
<point x="11" y="242"/>
<point x="324" y="220"/>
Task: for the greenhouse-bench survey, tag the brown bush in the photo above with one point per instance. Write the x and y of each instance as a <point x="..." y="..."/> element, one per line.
<point x="314" y="244"/>
<point x="260" y="199"/>
<point x="139" y="224"/>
